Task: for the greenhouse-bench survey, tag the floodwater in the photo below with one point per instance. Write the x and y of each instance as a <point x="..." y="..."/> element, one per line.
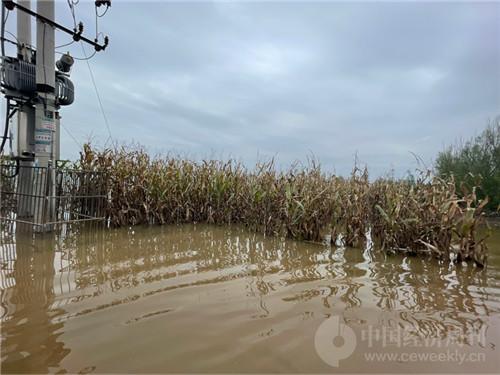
<point x="199" y="298"/>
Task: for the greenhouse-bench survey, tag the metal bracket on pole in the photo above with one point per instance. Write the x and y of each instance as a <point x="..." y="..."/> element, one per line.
<point x="76" y="34"/>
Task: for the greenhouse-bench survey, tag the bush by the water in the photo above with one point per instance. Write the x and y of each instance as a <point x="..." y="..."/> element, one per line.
<point x="305" y="203"/>
<point x="475" y="163"/>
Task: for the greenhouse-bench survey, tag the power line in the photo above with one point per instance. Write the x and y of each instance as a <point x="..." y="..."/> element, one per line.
<point x="98" y="96"/>
<point x="65" y="44"/>
<point x="78" y="58"/>
<point x="72" y="10"/>
<point x="12" y="35"/>
<point x="71" y="135"/>
<point x="2" y="31"/>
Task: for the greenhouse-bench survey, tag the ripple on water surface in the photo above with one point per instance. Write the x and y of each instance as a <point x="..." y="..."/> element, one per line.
<point x="198" y="298"/>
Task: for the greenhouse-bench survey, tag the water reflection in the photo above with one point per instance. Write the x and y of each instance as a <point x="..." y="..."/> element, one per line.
<point x="30" y="339"/>
<point x="57" y="289"/>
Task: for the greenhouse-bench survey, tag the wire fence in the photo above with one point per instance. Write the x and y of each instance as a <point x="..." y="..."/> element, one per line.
<point x="43" y="197"/>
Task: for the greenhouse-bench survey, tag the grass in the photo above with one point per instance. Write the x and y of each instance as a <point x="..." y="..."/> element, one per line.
<point x="421" y="216"/>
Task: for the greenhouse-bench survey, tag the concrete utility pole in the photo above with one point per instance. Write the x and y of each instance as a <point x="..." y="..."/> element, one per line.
<point x="25" y="117"/>
<point x="46" y="132"/>
<point x="24" y="32"/>
<point x="46" y="149"/>
<point x="37" y="131"/>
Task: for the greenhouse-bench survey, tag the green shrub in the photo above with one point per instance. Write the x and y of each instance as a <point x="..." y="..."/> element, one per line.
<point x="475" y="163"/>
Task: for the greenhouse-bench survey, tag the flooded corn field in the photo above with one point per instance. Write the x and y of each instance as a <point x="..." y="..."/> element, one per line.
<point x="199" y="298"/>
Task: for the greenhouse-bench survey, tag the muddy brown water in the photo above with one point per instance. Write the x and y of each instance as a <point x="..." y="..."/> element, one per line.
<point x="199" y="298"/>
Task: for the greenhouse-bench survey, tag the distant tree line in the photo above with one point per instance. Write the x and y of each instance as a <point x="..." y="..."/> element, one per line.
<point x="475" y="162"/>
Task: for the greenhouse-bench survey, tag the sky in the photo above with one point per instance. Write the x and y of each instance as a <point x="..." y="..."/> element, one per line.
<point x="291" y="80"/>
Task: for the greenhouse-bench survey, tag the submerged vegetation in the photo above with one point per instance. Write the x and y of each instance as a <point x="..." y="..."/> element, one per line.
<point x="424" y="215"/>
<point x="476" y="163"/>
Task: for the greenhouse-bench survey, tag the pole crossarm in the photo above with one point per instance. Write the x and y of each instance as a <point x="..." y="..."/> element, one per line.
<point x="76" y="34"/>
